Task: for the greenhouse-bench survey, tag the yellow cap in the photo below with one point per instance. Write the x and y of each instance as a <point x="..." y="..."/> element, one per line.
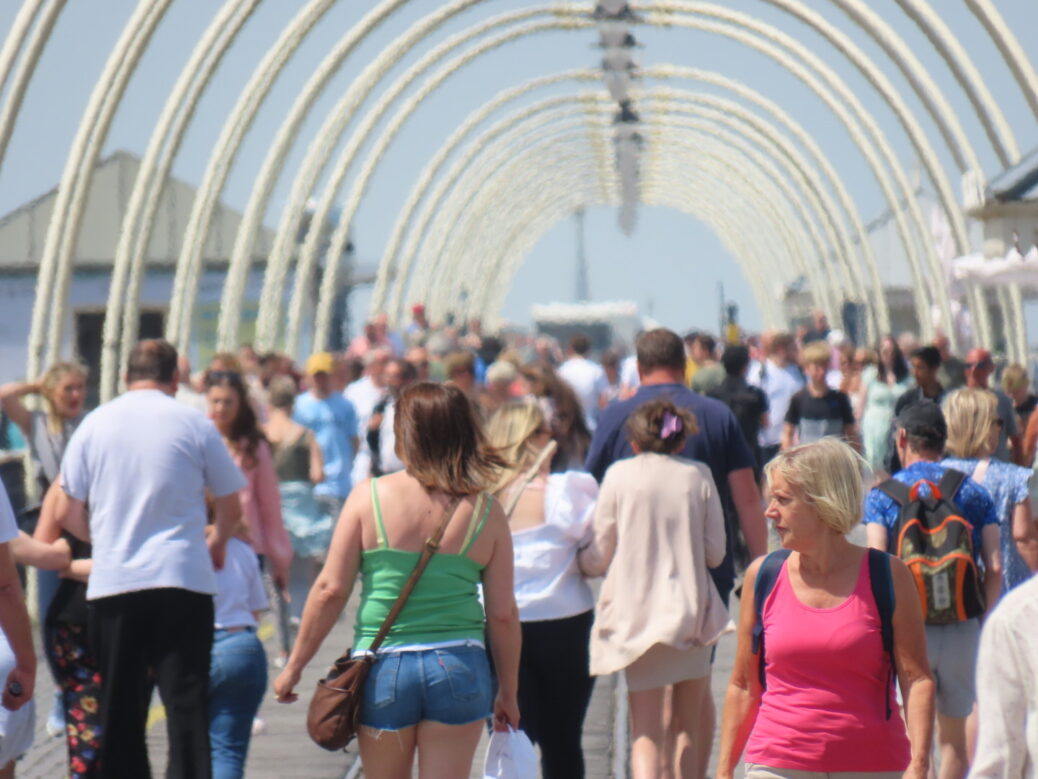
<point x="321" y="362"/>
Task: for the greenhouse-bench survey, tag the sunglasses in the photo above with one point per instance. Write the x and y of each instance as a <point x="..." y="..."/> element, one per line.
<point x="212" y="377"/>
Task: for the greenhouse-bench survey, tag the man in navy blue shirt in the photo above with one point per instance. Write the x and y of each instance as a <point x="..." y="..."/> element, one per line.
<point x="719" y="443"/>
<point x="952" y="648"/>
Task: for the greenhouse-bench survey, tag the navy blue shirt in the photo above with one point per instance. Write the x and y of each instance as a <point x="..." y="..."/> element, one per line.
<point x="719" y="444"/>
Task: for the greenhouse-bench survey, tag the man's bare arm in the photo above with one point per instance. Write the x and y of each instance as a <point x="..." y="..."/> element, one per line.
<point x="748" y="506"/>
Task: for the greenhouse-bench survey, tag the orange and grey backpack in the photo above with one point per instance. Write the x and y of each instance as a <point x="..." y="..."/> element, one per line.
<point x="936" y="543"/>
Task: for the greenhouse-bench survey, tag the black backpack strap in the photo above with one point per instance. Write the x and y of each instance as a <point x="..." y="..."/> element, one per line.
<point x="950" y="483"/>
<point x="883" y="593"/>
<point x="767" y="575"/>
<point x="897" y="490"/>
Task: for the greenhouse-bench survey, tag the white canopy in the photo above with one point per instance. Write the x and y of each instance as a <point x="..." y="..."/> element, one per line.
<point x="1013" y="268"/>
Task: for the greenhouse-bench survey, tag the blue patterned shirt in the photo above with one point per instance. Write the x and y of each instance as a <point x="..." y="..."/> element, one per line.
<point x="975" y="502"/>
<point x="1008" y="486"/>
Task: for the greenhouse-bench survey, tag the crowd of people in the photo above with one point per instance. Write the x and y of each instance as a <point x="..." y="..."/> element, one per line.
<point x="262" y="486"/>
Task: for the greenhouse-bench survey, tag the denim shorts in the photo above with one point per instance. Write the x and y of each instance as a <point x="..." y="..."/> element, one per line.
<point x="450" y="685"/>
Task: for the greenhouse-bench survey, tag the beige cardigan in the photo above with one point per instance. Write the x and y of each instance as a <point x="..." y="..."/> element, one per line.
<point x="658" y="525"/>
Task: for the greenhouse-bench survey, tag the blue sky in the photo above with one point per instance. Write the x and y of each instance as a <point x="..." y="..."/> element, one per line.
<point x="672" y="264"/>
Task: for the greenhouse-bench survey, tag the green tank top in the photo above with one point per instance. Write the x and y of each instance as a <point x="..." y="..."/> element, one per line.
<point x="444" y="605"/>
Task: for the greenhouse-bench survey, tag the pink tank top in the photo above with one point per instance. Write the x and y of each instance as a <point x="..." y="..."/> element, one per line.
<point x="823" y="709"/>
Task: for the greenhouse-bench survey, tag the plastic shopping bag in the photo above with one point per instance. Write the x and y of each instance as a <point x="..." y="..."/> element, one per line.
<point x="510" y="756"/>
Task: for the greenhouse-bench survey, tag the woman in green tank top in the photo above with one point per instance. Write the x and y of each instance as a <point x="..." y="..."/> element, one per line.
<point x="430" y="682"/>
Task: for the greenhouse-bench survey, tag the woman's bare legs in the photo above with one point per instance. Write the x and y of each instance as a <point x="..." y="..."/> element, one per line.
<point x="446" y="751"/>
<point x="649" y="757"/>
<point x="692" y="734"/>
<point x="387" y="754"/>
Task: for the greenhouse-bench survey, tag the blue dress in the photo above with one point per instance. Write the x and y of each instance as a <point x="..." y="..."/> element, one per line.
<point x="1008" y="485"/>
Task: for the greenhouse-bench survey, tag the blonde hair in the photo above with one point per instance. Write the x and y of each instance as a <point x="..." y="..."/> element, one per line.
<point x="53" y="376"/>
<point x="816" y="353"/>
<point x="1014" y="378"/>
<point x="511" y="431"/>
<point x="970" y="413"/>
<point x="830" y="474"/>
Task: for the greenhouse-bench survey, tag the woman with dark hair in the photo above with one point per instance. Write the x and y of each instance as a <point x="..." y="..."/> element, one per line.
<point x="430" y="681"/>
<point x="227" y="400"/>
<point x="658" y="527"/>
<point x="565" y="415"/>
<point x="881" y="386"/>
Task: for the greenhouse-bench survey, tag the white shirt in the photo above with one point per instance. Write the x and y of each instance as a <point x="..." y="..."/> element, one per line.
<point x="629" y="378"/>
<point x="548" y="582"/>
<point x="8" y="523"/>
<point x="1007" y="688"/>
<point x="239" y="588"/>
<point x="143" y="462"/>
<point x="589" y="382"/>
<point x="777" y="383"/>
<point x="387" y="458"/>
<point x="364" y="396"/>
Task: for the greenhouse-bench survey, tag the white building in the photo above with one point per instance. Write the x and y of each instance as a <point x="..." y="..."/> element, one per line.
<point x="23" y="235"/>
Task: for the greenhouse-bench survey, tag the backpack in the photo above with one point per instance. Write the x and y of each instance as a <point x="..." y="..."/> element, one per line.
<point x="882" y="593"/>
<point x="936" y="543"/>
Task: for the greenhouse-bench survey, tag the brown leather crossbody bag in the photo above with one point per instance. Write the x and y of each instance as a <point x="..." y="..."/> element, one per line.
<point x="334" y="714"/>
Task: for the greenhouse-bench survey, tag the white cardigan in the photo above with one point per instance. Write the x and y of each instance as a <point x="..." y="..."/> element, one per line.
<point x="658" y="526"/>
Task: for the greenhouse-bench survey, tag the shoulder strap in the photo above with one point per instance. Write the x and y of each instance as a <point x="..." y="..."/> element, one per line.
<point x="380" y="529"/>
<point x="883" y="593"/>
<point x="431" y="545"/>
<point x="950" y="483"/>
<point x="531" y="473"/>
<point x="895" y="489"/>
<point x="480" y="511"/>
<point x="767" y="575"/>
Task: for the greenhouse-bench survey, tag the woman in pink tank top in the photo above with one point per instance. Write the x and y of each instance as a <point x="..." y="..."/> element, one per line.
<point x="827" y="706"/>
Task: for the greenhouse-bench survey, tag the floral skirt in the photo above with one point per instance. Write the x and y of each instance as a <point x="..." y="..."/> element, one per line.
<point x="77" y="673"/>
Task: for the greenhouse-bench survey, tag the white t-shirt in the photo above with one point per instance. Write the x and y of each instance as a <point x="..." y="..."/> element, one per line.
<point x="589" y="382"/>
<point x="548" y="582"/>
<point x="387" y="458"/>
<point x="629" y="378"/>
<point x="239" y="588"/>
<point x="8" y="523"/>
<point x="780" y="387"/>
<point x="364" y="396"/>
<point x="142" y="462"/>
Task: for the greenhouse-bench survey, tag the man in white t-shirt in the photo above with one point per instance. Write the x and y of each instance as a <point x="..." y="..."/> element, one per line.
<point x="587" y="378"/>
<point x="774" y="377"/>
<point x="366" y="393"/>
<point x="144" y="463"/>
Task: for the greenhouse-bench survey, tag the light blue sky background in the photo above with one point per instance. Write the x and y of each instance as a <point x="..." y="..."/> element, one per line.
<point x="670" y="266"/>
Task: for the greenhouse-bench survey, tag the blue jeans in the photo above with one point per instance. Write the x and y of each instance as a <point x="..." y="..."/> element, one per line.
<point x="237" y="681"/>
<point x="449" y="685"/>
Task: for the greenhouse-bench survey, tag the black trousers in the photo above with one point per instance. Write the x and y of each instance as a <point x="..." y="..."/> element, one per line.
<point x="554" y="691"/>
<point x="140" y="639"/>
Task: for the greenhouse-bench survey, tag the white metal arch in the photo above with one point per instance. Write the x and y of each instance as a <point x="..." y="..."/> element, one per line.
<point x="785" y="4"/>
<point x="540" y="207"/>
<point x="153" y="173"/>
<point x="511" y="190"/>
<point x="673" y="102"/>
<point x="15" y="40"/>
<point x="55" y="264"/>
<point x="510" y="147"/>
<point x="742" y="92"/>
